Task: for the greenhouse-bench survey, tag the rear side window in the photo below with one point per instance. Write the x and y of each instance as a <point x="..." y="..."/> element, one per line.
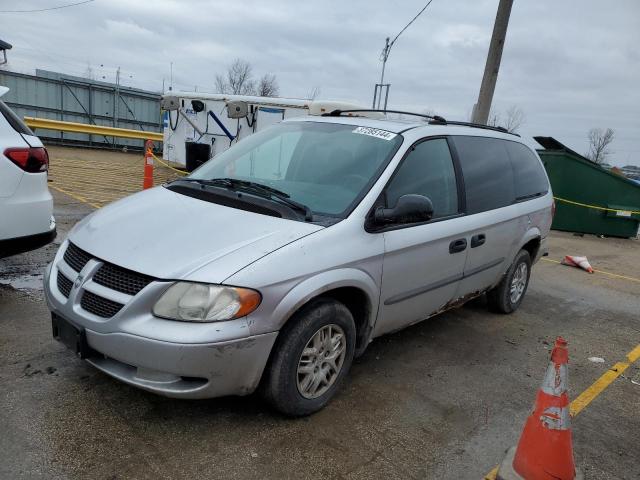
<point x="427" y="170"/>
<point x="487" y="172"/>
<point x="528" y="175"/>
<point x="14" y="120"/>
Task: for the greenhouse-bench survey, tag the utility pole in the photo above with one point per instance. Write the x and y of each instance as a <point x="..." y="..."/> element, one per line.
<point x="171" y="78"/>
<point x="488" y="86"/>
<point x="384" y="56"/>
<point x="377" y="93"/>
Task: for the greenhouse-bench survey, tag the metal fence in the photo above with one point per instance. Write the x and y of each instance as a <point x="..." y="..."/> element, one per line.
<point x="75" y="99"/>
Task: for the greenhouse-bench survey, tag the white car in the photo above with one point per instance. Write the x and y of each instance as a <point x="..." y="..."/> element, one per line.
<point x="26" y="205"/>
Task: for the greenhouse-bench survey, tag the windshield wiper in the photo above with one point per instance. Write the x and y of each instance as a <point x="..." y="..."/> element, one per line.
<point x="222" y="182"/>
<point x="270" y="193"/>
<point x="264" y="191"/>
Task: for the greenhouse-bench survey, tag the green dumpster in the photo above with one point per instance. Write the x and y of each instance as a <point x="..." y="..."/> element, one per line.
<point x="589" y="198"/>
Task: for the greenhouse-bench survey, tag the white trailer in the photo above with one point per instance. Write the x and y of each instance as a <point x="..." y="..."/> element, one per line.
<point x="198" y="126"/>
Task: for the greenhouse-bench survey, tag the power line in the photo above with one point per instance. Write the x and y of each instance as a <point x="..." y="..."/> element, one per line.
<point x="408" y="24"/>
<point x="384" y="56"/>
<point x="47" y="9"/>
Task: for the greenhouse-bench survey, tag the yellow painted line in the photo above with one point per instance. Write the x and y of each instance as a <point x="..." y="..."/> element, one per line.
<point x="585" y="398"/>
<point x="101" y="189"/>
<point x="74" y="196"/>
<point x="89" y="195"/>
<point x="492" y="474"/>
<point x="84" y="173"/>
<point x="615" y="275"/>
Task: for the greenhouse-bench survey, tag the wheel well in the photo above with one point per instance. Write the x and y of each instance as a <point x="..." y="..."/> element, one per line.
<point x="358" y="304"/>
<point x="532" y="246"/>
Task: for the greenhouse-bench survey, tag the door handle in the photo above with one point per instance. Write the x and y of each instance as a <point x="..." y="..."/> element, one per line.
<point x="459" y="245"/>
<point x="478" y="240"/>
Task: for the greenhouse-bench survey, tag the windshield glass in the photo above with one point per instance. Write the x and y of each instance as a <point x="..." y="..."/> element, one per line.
<point x="325" y="166"/>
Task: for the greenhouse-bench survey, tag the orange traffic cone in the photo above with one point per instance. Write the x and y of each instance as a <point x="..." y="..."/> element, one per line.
<point x="545" y="450"/>
<point x="580" y="262"/>
<point x="147" y="181"/>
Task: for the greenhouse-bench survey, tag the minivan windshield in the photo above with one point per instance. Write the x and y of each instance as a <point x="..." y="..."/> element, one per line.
<point x="326" y="167"/>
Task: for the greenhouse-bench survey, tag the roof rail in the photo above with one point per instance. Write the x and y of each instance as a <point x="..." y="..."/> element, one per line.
<point x="433" y="119"/>
<point x="485" y="127"/>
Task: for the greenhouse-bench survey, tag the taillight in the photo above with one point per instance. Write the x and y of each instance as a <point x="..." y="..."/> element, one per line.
<point x="553" y="209"/>
<point x="32" y="160"/>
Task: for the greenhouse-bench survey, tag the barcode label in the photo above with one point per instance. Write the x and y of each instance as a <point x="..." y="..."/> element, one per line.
<point x="374" y="132"/>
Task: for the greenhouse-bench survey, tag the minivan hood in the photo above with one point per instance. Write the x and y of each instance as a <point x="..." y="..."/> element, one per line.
<point x="171" y="236"/>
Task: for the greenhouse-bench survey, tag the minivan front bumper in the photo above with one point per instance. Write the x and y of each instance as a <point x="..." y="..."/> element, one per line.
<point x="170" y="358"/>
<point x="182" y="370"/>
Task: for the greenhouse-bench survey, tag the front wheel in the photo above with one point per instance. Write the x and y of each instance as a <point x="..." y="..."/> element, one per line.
<point x="311" y="359"/>
<point x="507" y="296"/>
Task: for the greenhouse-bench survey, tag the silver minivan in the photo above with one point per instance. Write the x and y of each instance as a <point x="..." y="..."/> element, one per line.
<point x="275" y="263"/>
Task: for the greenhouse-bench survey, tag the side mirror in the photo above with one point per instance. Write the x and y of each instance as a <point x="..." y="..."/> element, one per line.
<point x="409" y="209"/>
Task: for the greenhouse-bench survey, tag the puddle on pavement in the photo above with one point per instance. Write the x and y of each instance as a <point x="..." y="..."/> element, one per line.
<point x="22" y="277"/>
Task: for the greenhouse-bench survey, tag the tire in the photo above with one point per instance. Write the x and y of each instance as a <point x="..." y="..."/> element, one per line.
<point x="500" y="298"/>
<point x="283" y="381"/>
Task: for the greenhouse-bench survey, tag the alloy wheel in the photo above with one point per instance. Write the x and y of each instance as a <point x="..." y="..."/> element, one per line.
<point x="321" y="361"/>
<point x="518" y="283"/>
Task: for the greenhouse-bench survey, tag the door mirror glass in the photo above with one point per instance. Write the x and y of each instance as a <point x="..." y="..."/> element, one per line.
<point x="410" y="208"/>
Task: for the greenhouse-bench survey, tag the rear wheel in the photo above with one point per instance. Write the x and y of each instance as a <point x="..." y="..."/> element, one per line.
<point x="507" y="296"/>
<point x="313" y="354"/>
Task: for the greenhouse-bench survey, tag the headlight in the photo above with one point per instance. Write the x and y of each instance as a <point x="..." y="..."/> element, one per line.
<point x="201" y="302"/>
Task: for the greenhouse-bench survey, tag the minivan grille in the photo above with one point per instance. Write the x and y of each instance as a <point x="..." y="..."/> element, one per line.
<point x="64" y="285"/>
<point x="108" y="275"/>
<point x="75" y="257"/>
<point x="121" y="279"/>
<point x="99" y="306"/>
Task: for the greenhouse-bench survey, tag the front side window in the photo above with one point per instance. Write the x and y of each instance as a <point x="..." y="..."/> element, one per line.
<point x="427" y="170"/>
<point x="325" y="166"/>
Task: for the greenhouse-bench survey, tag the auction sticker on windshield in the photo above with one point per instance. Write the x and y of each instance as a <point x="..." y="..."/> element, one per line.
<point x="374" y="132"/>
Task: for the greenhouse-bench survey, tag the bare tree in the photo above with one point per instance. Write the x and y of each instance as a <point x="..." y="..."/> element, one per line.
<point x="599" y="141"/>
<point x="313" y="93"/>
<point x="512" y="118"/>
<point x="221" y="84"/>
<point x="268" y="86"/>
<point x="238" y="79"/>
<point x="494" y="119"/>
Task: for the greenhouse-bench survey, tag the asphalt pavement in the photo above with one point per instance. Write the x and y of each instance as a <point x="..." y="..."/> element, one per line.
<point x="443" y="399"/>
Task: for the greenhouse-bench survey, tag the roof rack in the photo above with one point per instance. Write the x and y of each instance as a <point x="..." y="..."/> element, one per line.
<point x="485" y="127"/>
<point x="433" y="119"/>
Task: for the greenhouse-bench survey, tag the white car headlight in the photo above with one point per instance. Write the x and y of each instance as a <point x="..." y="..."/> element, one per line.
<point x="201" y="302"/>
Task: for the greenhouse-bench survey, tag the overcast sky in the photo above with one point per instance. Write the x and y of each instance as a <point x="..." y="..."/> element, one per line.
<point x="569" y="65"/>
